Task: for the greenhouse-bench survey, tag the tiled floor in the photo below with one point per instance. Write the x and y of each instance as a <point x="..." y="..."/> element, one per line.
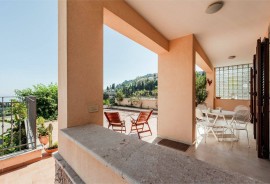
<point x="41" y="172"/>
<point x="125" y="115"/>
<point x="234" y="156"/>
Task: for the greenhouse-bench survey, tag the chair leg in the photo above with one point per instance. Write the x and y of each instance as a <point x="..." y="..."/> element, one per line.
<point x="131" y="128"/>
<point x="138" y="132"/>
<point x="205" y="134"/>
<point x="149" y="128"/>
<point x="247" y="138"/>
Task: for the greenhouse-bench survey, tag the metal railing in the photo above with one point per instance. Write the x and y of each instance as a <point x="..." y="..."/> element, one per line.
<point x="18" y="124"/>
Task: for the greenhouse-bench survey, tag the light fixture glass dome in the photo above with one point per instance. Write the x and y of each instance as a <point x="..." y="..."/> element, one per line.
<point x="214" y="7"/>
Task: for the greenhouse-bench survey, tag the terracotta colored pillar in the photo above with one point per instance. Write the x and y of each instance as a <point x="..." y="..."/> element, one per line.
<point x="176" y="91"/>
<point x="80" y="63"/>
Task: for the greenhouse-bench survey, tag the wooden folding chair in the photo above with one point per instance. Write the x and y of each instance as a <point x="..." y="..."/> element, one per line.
<point x="138" y="124"/>
<point x="114" y="120"/>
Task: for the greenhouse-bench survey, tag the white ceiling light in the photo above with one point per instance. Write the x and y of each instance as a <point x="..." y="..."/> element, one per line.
<point x="214" y="7"/>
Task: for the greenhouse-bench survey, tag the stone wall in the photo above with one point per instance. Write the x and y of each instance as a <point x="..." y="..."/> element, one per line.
<point x="145" y="103"/>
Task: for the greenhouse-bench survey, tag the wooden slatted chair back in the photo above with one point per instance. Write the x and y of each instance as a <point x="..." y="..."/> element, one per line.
<point x="113" y="117"/>
<point x="144" y="116"/>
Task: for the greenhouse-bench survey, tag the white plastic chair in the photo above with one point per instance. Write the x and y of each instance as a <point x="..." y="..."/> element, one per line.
<point x="240" y="107"/>
<point x="202" y="106"/>
<point x="240" y="121"/>
<point x="205" y="123"/>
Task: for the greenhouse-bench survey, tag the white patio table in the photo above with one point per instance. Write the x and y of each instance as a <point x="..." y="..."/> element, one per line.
<point x="219" y="113"/>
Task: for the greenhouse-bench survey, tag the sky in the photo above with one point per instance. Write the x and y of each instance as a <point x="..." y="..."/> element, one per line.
<point x="28" y="48"/>
<point x="28" y="44"/>
<point x="125" y="59"/>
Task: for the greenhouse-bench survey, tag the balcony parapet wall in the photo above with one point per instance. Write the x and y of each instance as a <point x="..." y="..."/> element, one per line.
<point x="99" y="155"/>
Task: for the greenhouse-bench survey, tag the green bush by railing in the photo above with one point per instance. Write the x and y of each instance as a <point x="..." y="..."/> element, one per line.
<point x="47" y="99"/>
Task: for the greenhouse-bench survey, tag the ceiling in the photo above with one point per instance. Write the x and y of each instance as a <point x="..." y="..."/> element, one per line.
<point x="231" y="31"/>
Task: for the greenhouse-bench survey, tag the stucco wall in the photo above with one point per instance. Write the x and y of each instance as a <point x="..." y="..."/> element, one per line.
<point x="210" y="100"/>
<point x="176" y="88"/>
<point x="81" y="53"/>
<point x="229" y="104"/>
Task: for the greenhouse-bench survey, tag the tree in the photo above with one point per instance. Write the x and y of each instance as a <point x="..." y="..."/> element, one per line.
<point x="201" y="93"/>
<point x="113" y="86"/>
<point x="119" y="96"/>
<point x="105" y="96"/>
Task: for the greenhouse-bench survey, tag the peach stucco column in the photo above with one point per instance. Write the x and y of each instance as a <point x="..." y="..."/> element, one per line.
<point x="80" y="63"/>
<point x="176" y="87"/>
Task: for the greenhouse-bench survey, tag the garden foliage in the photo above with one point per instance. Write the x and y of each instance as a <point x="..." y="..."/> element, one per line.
<point x="47" y="99"/>
<point x="201" y="93"/>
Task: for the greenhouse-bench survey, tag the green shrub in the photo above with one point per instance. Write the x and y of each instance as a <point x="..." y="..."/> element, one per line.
<point x="201" y="93"/>
<point x="112" y="101"/>
<point x="105" y="96"/>
<point x="47" y="99"/>
<point x="119" y="95"/>
<point x="106" y="102"/>
<point x="15" y="135"/>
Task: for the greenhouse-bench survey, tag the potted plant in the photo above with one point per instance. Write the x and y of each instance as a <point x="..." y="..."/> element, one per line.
<point x="43" y="134"/>
<point x="52" y="147"/>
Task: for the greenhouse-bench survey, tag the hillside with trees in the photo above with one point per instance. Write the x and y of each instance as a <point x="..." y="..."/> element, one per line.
<point x="147" y="87"/>
<point x="143" y="86"/>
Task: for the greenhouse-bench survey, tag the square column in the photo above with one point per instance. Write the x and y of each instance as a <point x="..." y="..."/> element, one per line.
<point x="176" y="91"/>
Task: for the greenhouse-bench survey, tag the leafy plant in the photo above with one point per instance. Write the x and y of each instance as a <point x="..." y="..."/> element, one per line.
<point x="119" y="96"/>
<point x="42" y="131"/>
<point x="16" y="134"/>
<point x="47" y="99"/>
<point x="55" y="145"/>
<point x="40" y="121"/>
<point x="19" y="110"/>
<point x="106" y="102"/>
<point x="201" y="93"/>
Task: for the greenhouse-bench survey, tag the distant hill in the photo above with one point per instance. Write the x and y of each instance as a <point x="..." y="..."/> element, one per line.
<point x="143" y="86"/>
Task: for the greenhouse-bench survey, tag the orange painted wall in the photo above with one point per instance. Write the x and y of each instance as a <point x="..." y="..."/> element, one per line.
<point x="176" y="91"/>
<point x="81" y="65"/>
<point x="228" y="104"/>
<point x="81" y="53"/>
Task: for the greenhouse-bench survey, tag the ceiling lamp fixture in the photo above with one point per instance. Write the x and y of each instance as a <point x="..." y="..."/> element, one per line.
<point x="231" y="57"/>
<point x="214" y="7"/>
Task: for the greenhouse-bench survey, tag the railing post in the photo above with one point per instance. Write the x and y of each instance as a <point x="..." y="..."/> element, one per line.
<point x="32" y="116"/>
<point x="3" y="121"/>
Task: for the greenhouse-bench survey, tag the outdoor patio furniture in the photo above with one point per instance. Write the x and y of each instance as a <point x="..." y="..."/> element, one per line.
<point x="239" y="122"/>
<point x="221" y="124"/>
<point x="240" y="107"/>
<point x="138" y="124"/>
<point x="115" y="122"/>
<point x="202" y="106"/>
<point x="205" y="123"/>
